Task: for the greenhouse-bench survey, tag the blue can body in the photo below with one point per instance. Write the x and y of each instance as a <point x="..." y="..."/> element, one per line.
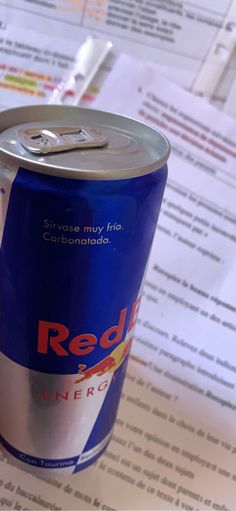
<point x="72" y="262"/>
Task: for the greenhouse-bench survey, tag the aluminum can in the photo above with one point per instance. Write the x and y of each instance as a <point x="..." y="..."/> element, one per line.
<point x="80" y="196"/>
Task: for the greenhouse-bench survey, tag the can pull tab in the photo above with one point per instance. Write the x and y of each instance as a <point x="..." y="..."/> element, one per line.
<point x="59" y="139"/>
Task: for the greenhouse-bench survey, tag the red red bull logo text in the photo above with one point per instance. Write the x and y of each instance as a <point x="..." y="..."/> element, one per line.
<point x="51" y="336"/>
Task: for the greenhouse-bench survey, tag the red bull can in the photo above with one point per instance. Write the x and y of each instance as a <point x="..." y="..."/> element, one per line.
<point x="80" y="192"/>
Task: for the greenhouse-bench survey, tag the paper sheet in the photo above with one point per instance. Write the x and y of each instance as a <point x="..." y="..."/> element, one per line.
<point x="31" y="68"/>
<point x="174" y="443"/>
<point x="154" y="30"/>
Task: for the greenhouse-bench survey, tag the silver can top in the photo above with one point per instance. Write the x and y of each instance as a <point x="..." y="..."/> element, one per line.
<point x="80" y="143"/>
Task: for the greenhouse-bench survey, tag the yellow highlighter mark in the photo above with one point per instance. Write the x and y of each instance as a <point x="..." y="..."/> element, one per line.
<point x="20" y="81"/>
<point x="37" y="76"/>
<point x="21" y="88"/>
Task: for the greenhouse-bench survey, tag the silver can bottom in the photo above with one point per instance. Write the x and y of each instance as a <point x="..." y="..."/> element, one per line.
<point x="55" y="468"/>
<point x="48" y="419"/>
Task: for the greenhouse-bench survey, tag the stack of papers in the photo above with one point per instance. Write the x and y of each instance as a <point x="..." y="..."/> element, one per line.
<point x="174" y="442"/>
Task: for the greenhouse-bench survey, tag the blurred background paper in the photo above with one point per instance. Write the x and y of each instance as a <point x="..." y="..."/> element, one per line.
<point x="174" y="442"/>
<point x="88" y="60"/>
<point x="32" y="67"/>
<point x="177" y="36"/>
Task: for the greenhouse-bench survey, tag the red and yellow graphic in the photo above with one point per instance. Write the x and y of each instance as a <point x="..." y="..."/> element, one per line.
<point x="110" y="363"/>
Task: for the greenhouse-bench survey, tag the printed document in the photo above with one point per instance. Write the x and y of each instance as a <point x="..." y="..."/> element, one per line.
<point x="32" y="68"/>
<point x="177" y="36"/>
<point x="174" y="442"/>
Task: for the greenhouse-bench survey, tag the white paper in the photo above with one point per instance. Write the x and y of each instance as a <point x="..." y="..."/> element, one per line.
<point x="32" y="67"/>
<point x="89" y="58"/>
<point x="174" y="443"/>
<point x="177" y="36"/>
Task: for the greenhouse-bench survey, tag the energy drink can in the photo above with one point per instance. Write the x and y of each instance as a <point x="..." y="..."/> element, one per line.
<point x="80" y="196"/>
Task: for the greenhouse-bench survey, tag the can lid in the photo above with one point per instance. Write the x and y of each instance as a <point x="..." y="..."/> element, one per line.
<point x="80" y="143"/>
